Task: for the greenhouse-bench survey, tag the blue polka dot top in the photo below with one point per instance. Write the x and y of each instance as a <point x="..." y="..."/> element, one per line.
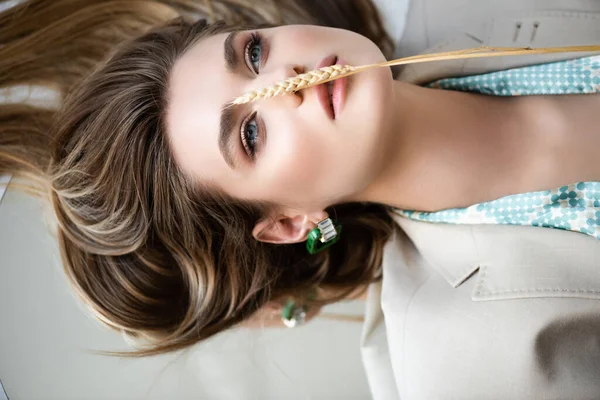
<point x="574" y="207"/>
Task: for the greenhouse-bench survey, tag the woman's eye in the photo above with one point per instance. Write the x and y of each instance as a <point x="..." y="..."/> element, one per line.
<point x="250" y="136"/>
<point x="254" y="52"/>
<point x="255" y="56"/>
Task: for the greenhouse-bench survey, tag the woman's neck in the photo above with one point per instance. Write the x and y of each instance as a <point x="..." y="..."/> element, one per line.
<point x="451" y="149"/>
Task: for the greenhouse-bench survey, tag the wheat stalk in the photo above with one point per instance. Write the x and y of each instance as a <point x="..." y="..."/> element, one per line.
<point x="326" y="74"/>
<point x="299" y="82"/>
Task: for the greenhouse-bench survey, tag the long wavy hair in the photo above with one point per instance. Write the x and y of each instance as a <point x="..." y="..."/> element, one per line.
<point x="151" y="254"/>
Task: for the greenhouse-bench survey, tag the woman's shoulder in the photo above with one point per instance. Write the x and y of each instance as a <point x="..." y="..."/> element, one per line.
<point x="526" y="297"/>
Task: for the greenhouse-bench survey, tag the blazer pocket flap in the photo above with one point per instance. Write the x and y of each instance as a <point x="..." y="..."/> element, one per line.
<point x="537" y="30"/>
<point x="530" y="281"/>
<point x="542" y="263"/>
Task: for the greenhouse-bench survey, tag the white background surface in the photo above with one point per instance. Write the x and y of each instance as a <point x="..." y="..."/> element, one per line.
<point x="45" y="335"/>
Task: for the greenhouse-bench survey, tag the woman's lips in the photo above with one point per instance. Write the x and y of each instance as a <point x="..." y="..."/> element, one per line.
<point x="322" y="90"/>
<point x="338" y="90"/>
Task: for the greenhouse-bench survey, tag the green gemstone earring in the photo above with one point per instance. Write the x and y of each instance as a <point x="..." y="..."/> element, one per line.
<point x="324" y="235"/>
<point x="293" y="315"/>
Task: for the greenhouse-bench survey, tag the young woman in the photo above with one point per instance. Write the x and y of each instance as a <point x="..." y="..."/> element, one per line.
<point x="181" y="217"/>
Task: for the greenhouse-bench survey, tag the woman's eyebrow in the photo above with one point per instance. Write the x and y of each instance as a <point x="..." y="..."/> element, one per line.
<point x="226" y="134"/>
<point x="227" y="120"/>
<point x="231" y="58"/>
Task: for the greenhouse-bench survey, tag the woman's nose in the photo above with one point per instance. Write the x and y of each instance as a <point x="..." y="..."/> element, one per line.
<point x="283" y="72"/>
<point x="280" y="74"/>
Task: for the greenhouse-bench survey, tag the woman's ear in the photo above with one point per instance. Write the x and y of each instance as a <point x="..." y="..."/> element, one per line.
<point x="285" y="229"/>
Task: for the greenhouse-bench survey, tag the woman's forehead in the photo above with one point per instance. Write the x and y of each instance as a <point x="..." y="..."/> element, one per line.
<point x="199" y="87"/>
<point x="202" y="62"/>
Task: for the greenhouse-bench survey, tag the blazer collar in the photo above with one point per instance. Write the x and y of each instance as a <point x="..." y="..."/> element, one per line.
<point x="513" y="261"/>
<point x="450" y="249"/>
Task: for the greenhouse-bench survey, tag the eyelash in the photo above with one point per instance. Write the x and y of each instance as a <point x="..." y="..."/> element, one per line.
<point x="255" y="40"/>
<point x="250" y="151"/>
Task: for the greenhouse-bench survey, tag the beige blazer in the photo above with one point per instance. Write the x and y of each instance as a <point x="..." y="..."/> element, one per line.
<point x="489" y="311"/>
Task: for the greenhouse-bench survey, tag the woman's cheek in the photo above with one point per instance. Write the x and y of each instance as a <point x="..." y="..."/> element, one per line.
<point x="294" y="164"/>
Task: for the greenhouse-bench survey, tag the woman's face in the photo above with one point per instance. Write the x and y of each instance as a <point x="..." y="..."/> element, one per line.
<point x="288" y="150"/>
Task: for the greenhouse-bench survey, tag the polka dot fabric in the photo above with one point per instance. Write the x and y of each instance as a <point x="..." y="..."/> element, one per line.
<point x="574" y="207"/>
<point x="579" y="76"/>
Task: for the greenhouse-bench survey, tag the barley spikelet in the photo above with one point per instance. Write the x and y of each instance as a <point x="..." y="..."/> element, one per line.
<point x="326" y="74"/>
<point x="302" y="81"/>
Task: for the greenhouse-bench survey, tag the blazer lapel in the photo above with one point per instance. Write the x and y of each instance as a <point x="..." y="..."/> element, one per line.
<point x="528" y="262"/>
<point x="513" y="261"/>
<point x="450" y="249"/>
